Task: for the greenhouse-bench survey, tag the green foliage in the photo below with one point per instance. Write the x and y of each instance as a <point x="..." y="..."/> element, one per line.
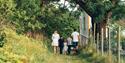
<point x="100" y="10"/>
<point x="29" y="15"/>
<point x="21" y="49"/>
<point x="6" y="8"/>
<point x="91" y="56"/>
<point x="2" y="39"/>
<point x="119" y="13"/>
<point x="57" y="19"/>
<point x="26" y="15"/>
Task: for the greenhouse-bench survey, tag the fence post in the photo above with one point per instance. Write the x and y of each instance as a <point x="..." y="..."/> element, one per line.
<point x="119" y="28"/>
<point x="109" y="42"/>
<point x="102" y="41"/>
<point x="109" y="46"/>
<point x="94" y="34"/>
<point x="97" y="45"/>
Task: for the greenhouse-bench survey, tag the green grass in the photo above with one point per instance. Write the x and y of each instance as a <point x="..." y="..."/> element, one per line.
<point x="21" y="49"/>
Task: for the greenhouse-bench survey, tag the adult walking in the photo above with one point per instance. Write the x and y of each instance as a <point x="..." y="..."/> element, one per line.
<point x="75" y="36"/>
<point x="69" y="41"/>
<point x="55" y="43"/>
<point x="61" y="44"/>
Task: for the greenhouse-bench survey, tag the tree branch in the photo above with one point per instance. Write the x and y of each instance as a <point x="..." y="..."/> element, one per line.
<point x="109" y="12"/>
<point x="84" y="6"/>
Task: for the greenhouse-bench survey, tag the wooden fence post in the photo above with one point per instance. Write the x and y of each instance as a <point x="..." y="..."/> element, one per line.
<point x="94" y="34"/>
<point x="109" y="47"/>
<point x="102" y="41"/>
<point x="119" y="28"/>
<point x="97" y="44"/>
<point x="109" y="42"/>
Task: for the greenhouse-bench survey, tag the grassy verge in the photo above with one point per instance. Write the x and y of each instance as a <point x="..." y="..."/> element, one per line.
<point x="21" y="49"/>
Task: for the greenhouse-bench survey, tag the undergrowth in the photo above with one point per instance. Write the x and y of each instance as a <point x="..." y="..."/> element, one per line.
<point x="19" y="48"/>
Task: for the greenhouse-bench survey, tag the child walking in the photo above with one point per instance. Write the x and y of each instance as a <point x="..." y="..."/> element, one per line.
<point x="65" y="47"/>
<point x="61" y="45"/>
<point x="69" y="43"/>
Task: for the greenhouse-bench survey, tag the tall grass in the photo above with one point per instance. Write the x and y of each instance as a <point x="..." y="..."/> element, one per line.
<point x="21" y="49"/>
<point x="27" y="49"/>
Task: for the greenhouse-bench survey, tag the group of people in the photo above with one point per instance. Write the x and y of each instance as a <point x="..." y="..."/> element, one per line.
<point x="65" y="46"/>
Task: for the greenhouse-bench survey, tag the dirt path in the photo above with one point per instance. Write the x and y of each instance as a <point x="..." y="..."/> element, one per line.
<point x="65" y="59"/>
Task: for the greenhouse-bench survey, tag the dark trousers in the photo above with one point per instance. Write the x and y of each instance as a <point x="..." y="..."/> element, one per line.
<point x="69" y="49"/>
<point x="61" y="49"/>
<point x="75" y="44"/>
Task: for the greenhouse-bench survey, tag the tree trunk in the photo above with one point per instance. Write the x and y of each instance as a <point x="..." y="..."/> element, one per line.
<point x="43" y="3"/>
<point x="102" y="25"/>
<point x="99" y="26"/>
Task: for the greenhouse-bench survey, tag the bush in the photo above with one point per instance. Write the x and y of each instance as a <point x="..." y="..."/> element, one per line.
<point x="2" y="39"/>
<point x="19" y="48"/>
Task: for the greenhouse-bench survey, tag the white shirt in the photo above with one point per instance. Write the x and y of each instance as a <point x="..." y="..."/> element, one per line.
<point x="65" y="47"/>
<point x="55" y="38"/>
<point x="75" y="36"/>
<point x="69" y="40"/>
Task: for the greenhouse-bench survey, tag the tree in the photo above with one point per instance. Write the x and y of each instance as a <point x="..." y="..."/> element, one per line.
<point x="102" y="10"/>
<point x="25" y="16"/>
<point x="39" y="16"/>
<point x="60" y="19"/>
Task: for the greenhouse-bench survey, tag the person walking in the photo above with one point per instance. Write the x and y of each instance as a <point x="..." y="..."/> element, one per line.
<point x="65" y="48"/>
<point x="55" y="43"/>
<point x="75" y="36"/>
<point x="61" y="45"/>
<point x="69" y="41"/>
